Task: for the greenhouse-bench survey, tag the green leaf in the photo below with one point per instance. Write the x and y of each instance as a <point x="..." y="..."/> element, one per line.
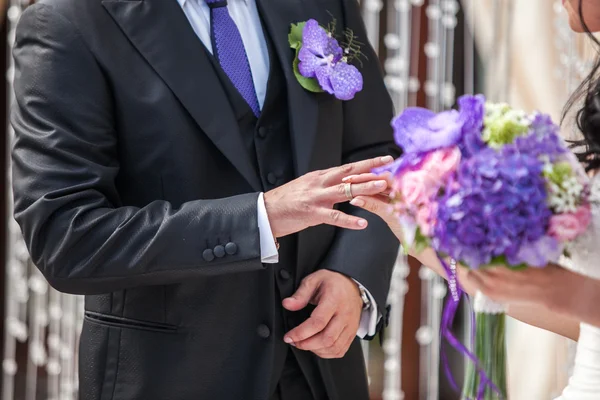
<point x="310" y="84"/>
<point x="421" y="242"/>
<point x="520" y="267"/>
<point x="496" y="261"/>
<point x="295" y="39"/>
<point x="295" y="36"/>
<point x="501" y="261"/>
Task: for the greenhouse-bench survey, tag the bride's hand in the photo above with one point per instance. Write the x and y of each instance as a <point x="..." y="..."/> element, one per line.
<point x="379" y="204"/>
<point x="552" y="287"/>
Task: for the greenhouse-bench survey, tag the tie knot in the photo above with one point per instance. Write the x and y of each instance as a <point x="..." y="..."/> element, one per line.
<point x="216" y="3"/>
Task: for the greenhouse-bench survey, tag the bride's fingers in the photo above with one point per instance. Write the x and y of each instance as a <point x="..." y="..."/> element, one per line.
<point x="499" y="284"/>
<point x="479" y="281"/>
<point x="377" y="205"/>
<point x="367" y="177"/>
<point x="361" y="178"/>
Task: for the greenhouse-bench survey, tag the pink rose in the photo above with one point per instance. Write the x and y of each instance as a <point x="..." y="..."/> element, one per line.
<point x="567" y="226"/>
<point x="584" y="216"/>
<point x="416" y="187"/>
<point x="441" y="163"/>
<point x="426" y="218"/>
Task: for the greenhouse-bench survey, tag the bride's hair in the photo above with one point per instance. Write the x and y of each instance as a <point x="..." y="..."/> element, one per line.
<point x="588" y="117"/>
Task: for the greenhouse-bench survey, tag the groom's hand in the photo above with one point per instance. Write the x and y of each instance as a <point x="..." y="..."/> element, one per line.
<point x="308" y="201"/>
<point x="333" y="324"/>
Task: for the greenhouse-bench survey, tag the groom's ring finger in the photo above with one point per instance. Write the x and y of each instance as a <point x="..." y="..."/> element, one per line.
<point x="342" y="192"/>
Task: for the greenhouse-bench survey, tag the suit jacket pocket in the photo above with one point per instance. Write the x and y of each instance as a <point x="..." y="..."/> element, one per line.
<point x="128" y="323"/>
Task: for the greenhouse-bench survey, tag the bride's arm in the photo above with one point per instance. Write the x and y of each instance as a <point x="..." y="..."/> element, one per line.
<point x="538" y="315"/>
<point x="562" y="292"/>
<point x="544" y="318"/>
<point x="534" y="312"/>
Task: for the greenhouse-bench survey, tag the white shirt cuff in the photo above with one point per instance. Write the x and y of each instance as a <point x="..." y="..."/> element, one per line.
<point x="268" y="249"/>
<point x="369" y="317"/>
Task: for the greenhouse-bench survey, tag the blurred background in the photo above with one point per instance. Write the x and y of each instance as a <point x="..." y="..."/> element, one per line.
<point x="432" y="51"/>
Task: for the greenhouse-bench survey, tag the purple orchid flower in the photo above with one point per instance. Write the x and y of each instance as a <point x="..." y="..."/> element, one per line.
<point x="418" y="130"/>
<point x="321" y="57"/>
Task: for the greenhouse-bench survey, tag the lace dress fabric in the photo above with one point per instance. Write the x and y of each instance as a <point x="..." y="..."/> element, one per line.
<point x="584" y="383"/>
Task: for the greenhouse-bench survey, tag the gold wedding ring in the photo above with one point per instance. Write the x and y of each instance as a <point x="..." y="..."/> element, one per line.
<point x="348" y="191"/>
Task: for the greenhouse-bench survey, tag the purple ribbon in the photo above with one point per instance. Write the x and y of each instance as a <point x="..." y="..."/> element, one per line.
<point x="450" y="308"/>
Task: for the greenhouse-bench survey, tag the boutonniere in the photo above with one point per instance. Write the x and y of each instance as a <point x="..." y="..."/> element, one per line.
<point x="322" y="64"/>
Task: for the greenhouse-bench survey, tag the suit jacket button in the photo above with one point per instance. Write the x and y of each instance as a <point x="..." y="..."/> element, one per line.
<point x="262" y="132"/>
<point x="284" y="274"/>
<point x="263" y="331"/>
<point x="208" y="255"/>
<point x="219" y="251"/>
<point x="231" y="248"/>
<point x="271" y="178"/>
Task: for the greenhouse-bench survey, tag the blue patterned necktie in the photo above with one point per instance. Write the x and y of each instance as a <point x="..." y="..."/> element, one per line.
<point x="229" y="50"/>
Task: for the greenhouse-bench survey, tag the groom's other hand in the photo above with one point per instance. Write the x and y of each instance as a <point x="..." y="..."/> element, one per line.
<point x="309" y="200"/>
<point x="333" y="324"/>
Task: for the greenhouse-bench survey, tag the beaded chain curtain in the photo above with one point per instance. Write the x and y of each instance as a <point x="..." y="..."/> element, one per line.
<point x="429" y="56"/>
<point x="41" y="325"/>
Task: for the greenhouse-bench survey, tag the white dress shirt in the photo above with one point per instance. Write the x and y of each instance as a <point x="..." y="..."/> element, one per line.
<point x="246" y="16"/>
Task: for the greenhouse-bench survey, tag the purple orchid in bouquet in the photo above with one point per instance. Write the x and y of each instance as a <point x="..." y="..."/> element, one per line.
<point x="322" y="63"/>
<point x="502" y="189"/>
<point x="419" y="131"/>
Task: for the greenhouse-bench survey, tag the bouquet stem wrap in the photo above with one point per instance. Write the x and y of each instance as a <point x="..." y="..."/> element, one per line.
<point x="485" y="378"/>
<point x="490" y="349"/>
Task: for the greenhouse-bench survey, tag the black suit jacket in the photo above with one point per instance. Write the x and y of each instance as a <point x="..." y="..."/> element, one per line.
<point x="128" y="164"/>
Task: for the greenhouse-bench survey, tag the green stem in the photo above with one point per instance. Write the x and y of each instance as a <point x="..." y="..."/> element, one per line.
<point x="490" y="350"/>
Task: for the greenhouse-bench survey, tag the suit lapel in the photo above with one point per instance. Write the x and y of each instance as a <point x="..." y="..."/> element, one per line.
<point x="277" y="16"/>
<point x="161" y="32"/>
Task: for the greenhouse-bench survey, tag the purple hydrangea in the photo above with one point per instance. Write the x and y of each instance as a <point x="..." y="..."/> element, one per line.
<point x="472" y="109"/>
<point x="496" y="206"/>
<point x="321" y="57"/>
<point x="543" y="139"/>
<point x="418" y="130"/>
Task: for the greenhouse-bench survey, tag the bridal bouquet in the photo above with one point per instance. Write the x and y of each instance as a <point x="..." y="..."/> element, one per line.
<point x="486" y="185"/>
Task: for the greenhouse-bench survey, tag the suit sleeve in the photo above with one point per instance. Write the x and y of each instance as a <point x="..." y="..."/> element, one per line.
<point x="368" y="256"/>
<point x="65" y="162"/>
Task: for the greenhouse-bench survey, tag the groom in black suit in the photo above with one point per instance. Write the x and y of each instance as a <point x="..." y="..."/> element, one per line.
<point x="183" y="205"/>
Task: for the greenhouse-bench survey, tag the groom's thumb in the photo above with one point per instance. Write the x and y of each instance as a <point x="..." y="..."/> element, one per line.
<point x="303" y="295"/>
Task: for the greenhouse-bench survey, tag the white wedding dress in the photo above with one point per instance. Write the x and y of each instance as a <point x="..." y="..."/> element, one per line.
<point x="584" y="383"/>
